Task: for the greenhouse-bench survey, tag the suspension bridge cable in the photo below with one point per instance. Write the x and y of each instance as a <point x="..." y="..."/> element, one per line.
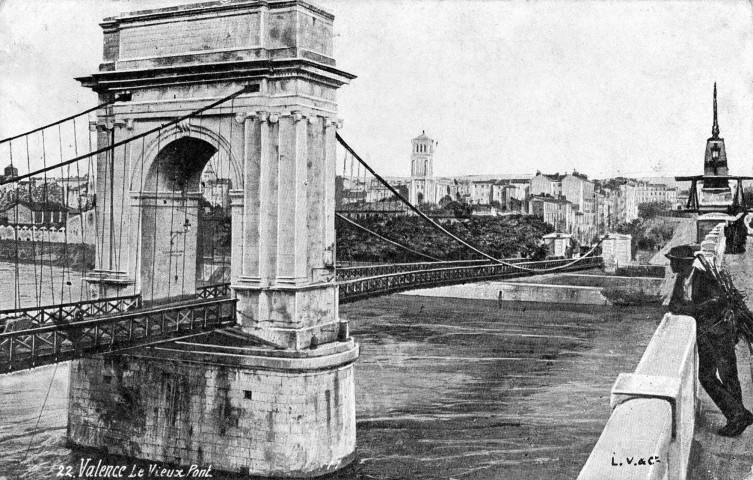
<point x="137" y="264"/>
<point x="440" y="227"/>
<point x="36" y="426"/>
<point x="129" y="139"/>
<point x="16" y="289"/>
<point x="82" y="250"/>
<point x="92" y="182"/>
<point x="172" y="226"/>
<point x="45" y="202"/>
<point x="371" y="232"/>
<point x="33" y="244"/>
<point x="64" y="202"/>
<point x="127" y="151"/>
<point x="157" y="161"/>
<point x="63" y="120"/>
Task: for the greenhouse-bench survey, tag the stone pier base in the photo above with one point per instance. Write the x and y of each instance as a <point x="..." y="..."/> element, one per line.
<point x="228" y="403"/>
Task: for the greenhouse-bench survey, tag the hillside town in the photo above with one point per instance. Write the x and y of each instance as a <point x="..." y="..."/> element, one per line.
<point x="570" y="202"/>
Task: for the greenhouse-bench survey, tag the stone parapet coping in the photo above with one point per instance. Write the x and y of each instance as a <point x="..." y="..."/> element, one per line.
<point x="650" y="431"/>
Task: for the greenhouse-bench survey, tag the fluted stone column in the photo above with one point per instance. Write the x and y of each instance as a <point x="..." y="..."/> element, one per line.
<point x="285" y="288"/>
<point x="112" y="275"/>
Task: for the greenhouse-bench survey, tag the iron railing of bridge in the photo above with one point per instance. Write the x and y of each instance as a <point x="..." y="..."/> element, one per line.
<point x="59" y="314"/>
<point x="217" y="290"/>
<point x="30" y="317"/>
<point x="50" y="344"/>
<point x="349" y="273"/>
<point x="362" y="288"/>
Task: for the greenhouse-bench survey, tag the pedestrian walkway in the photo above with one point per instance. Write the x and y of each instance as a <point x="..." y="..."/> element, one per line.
<point x="716" y="457"/>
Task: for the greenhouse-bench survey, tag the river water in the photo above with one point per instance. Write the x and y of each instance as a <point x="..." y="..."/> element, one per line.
<point x="27" y="285"/>
<point x="445" y="389"/>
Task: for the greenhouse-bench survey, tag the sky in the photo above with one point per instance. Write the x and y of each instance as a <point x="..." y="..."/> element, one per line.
<point x="605" y="88"/>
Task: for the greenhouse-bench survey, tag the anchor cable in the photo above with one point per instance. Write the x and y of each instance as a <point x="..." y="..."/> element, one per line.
<point x="129" y="139"/>
<point x="63" y="120"/>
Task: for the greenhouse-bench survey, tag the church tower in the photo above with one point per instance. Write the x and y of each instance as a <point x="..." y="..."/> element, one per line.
<point x="422" y="183"/>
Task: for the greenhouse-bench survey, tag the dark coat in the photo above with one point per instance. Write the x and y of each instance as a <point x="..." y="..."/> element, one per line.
<point x="708" y="304"/>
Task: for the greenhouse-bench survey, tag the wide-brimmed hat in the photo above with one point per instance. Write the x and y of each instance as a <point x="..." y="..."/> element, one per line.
<point x="683" y="252"/>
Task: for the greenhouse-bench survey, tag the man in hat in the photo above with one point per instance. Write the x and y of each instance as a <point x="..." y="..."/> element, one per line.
<point x="696" y="293"/>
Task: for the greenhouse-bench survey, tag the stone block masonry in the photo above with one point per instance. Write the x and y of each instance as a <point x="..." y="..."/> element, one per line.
<point x="272" y="416"/>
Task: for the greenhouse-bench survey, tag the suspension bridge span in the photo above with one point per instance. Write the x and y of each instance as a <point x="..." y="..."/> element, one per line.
<point x="253" y="373"/>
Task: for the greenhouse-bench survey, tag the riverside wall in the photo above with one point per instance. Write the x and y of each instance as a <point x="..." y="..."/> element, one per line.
<point x="59" y="254"/>
<point x="563" y="289"/>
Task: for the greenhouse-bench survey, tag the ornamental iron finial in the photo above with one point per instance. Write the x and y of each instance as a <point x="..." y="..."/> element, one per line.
<point x="715" y="128"/>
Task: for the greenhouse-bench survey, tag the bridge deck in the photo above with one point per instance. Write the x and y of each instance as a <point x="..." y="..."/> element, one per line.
<point x="355" y="289"/>
<point x="49" y="344"/>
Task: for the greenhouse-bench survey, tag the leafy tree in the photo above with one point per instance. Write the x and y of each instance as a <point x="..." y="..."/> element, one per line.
<point x="653" y="209"/>
<point x="458" y="209"/>
<point x="647" y="234"/>
<point x="445" y="200"/>
<point x="498" y="236"/>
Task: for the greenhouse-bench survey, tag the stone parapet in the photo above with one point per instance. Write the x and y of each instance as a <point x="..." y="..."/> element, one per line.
<point x="650" y="431"/>
<point x="714" y="244"/>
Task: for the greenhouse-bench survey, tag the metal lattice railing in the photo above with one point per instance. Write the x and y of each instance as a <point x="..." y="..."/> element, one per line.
<point x="25" y="318"/>
<point x="64" y="313"/>
<point x="57" y="343"/>
<point x="361" y="288"/>
<point x="218" y="290"/>
<point x="349" y="273"/>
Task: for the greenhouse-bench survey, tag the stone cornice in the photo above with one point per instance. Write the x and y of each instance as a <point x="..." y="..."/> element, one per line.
<point x="215" y="72"/>
<point x="208" y="7"/>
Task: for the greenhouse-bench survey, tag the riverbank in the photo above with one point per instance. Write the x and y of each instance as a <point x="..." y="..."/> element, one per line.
<point x="558" y="289"/>
<point x="75" y="256"/>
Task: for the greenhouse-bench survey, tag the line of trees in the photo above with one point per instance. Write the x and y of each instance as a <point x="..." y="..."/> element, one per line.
<point x="649" y="231"/>
<point x="502" y="237"/>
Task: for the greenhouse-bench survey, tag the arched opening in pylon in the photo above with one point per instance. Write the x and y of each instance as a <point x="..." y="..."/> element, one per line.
<point x="185" y="224"/>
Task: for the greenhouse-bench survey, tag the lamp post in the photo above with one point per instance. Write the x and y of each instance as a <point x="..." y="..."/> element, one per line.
<point x="174" y="233"/>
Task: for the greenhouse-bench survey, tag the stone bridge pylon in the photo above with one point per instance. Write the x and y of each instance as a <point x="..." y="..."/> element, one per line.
<point x="275" y="397"/>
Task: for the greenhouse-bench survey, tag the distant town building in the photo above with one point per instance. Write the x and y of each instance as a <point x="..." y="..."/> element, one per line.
<point x="577" y="189"/>
<point x="481" y="192"/>
<point x="543" y="184"/>
<point x="215" y="190"/>
<point x="81" y="227"/>
<point x="9" y="172"/>
<point x="422" y="183"/>
<point x="636" y="193"/>
<point x="22" y="212"/>
<point x="557" y="212"/>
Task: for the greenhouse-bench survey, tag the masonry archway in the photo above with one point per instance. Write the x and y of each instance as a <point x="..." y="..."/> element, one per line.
<point x="184" y="233"/>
